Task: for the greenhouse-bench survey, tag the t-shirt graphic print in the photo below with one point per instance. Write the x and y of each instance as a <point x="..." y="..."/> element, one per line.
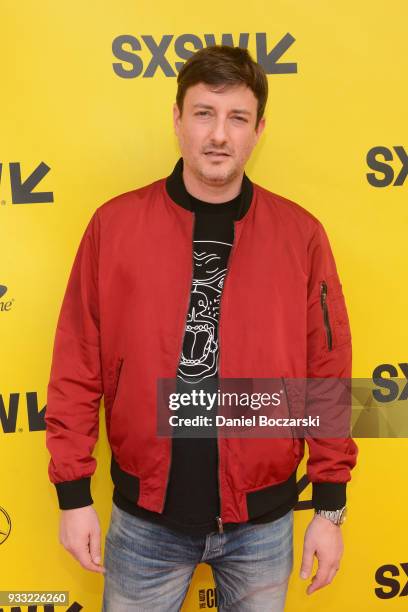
<point x="199" y="359"/>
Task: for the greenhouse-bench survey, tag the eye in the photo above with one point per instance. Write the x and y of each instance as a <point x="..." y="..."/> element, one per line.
<point x="202" y="113"/>
<point x="240" y="118"/>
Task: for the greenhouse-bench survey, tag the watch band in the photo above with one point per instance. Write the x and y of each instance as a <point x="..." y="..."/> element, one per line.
<point x="335" y="516"/>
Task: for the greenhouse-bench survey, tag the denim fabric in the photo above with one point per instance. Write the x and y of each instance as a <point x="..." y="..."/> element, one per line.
<point x="149" y="567"/>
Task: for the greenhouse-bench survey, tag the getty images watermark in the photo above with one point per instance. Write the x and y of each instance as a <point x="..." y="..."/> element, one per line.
<point x="208" y="401"/>
<point x="254" y="407"/>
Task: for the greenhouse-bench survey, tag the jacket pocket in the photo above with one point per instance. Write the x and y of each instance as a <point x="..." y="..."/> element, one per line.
<point x="326" y="316"/>
<point x="115" y="419"/>
<point x="334" y="313"/>
<point x="117" y="378"/>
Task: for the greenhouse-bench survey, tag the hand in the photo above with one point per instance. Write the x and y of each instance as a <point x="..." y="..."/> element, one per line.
<point x="323" y="539"/>
<point x="80" y="535"/>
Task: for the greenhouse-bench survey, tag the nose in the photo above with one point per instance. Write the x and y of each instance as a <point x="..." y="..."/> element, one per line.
<point x="218" y="132"/>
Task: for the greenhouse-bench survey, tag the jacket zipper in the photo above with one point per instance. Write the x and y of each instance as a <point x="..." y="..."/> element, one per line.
<point x="181" y="351"/>
<point x="326" y="320"/>
<point x="218" y="518"/>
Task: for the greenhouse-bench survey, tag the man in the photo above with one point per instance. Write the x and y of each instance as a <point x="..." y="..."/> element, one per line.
<point x="199" y="276"/>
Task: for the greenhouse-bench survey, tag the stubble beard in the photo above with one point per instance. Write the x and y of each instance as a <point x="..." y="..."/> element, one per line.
<point x="216" y="176"/>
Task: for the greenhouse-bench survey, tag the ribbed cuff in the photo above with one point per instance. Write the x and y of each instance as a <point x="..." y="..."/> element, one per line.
<point x="74" y="493"/>
<point x="328" y="495"/>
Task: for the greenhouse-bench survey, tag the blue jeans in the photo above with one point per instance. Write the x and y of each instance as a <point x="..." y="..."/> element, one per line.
<point x="149" y="567"/>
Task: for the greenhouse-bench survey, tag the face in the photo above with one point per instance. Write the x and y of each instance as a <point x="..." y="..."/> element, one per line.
<point x="216" y="131"/>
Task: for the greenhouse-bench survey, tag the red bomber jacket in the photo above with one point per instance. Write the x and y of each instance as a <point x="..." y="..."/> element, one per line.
<point x="121" y="327"/>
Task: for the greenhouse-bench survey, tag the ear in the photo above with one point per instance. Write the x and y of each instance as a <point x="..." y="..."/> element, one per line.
<point x="176" y="117"/>
<point x="260" y="128"/>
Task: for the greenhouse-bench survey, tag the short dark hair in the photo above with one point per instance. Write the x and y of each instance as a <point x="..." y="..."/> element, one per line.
<point x="223" y="65"/>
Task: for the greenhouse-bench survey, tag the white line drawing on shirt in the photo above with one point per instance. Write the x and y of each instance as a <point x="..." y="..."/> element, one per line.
<point x="199" y="358"/>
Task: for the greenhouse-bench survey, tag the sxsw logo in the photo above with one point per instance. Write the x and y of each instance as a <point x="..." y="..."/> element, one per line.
<point x="8" y="417"/>
<point x="5" y="304"/>
<point x="395" y="580"/>
<point x="126" y="47"/>
<point x="22" y="191"/>
<point x="384" y="174"/>
<point x="393" y="391"/>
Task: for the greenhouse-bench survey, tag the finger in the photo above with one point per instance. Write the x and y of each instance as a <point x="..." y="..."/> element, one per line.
<point x="84" y="557"/>
<point x="307" y="562"/>
<point x="333" y="574"/>
<point x="87" y="563"/>
<point x="95" y="547"/>
<point x="320" y="579"/>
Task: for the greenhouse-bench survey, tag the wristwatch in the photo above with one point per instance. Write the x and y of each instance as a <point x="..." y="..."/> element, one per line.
<point x="335" y="516"/>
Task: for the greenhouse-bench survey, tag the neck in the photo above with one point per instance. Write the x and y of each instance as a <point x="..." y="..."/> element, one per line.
<point x="215" y="194"/>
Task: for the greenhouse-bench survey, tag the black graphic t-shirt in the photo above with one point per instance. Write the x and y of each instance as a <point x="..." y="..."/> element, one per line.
<point x="192" y="500"/>
<point x="192" y="494"/>
<point x="213" y="238"/>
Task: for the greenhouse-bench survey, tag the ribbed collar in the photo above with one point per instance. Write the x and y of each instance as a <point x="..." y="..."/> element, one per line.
<point x="178" y="193"/>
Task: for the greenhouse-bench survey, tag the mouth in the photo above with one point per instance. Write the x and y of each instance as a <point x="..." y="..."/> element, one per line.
<point x="216" y="155"/>
<point x="198" y="343"/>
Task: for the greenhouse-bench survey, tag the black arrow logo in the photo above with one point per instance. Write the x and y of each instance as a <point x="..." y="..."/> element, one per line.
<point x="3" y="290"/>
<point x="269" y="61"/>
<point x="22" y="191"/>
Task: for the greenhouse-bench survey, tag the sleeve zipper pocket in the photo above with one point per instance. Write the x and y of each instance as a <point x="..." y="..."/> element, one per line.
<point x="326" y="319"/>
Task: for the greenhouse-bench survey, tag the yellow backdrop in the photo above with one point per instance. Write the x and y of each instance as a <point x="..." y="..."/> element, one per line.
<point x="85" y="114"/>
